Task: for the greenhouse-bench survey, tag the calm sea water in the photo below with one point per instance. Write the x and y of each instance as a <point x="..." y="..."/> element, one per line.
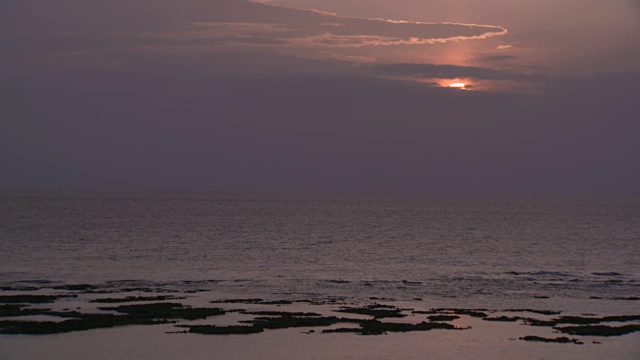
<point x="499" y="254"/>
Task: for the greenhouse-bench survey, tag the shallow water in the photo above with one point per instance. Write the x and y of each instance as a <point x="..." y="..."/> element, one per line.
<point x="153" y="343"/>
<point x="474" y="337"/>
<point x="578" y="256"/>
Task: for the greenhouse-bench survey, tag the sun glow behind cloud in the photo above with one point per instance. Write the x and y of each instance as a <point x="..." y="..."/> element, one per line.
<point x="471" y="84"/>
<point x="456" y="83"/>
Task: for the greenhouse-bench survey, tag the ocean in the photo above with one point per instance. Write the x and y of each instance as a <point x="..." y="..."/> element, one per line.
<point x="572" y="255"/>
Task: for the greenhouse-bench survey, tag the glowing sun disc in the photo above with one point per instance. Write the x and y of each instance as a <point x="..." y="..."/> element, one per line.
<point x="457" y="85"/>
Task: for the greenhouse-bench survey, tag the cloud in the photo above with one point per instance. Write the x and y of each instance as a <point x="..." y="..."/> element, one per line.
<point x="495" y="58"/>
<point x="204" y="33"/>
<point x="313" y="28"/>
<point x="327" y="55"/>
<point x="229" y="22"/>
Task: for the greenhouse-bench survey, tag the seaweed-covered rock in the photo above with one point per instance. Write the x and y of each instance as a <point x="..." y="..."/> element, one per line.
<point x="559" y="340"/>
<point x="253" y="301"/>
<point x="76" y="287"/>
<point x="223" y="330"/>
<point x="278" y="313"/>
<point x="629" y="298"/>
<point x="140" y="314"/>
<point x="427" y="312"/>
<point x="443" y="317"/>
<point x="288" y="321"/>
<point x="374" y="310"/>
<point x="375" y="327"/>
<point x="86" y="322"/>
<point x="19" y="310"/>
<point x="502" y="318"/>
<point x="472" y="313"/>
<point x="133" y="299"/>
<point x="277" y="302"/>
<point x="165" y="311"/>
<point x="29" y="299"/>
<point x="541" y="312"/>
<point x="578" y="320"/>
<point x="598" y="330"/>
<point x="238" y="301"/>
<point x="18" y="288"/>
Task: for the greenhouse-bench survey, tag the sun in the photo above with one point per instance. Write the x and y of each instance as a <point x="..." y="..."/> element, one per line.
<point x="457" y="85"/>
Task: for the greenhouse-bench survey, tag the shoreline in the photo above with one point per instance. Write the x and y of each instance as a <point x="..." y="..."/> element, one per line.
<point x="43" y="311"/>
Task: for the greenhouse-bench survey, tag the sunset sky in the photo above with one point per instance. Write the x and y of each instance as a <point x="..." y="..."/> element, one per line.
<point x="354" y="95"/>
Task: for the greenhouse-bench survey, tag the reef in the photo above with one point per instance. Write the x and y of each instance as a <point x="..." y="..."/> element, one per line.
<point x="598" y="330"/>
<point x="76" y="287"/>
<point x="375" y="327"/>
<point x="578" y="320"/>
<point x="559" y="340"/>
<point x="479" y="313"/>
<point x="134" y="298"/>
<point x="153" y="306"/>
<point x="85" y="322"/>
<point x="165" y="311"/>
<point x="534" y="311"/>
<point x="278" y="313"/>
<point x="31" y="299"/>
<point x="143" y="314"/>
<point x="19" y="310"/>
<point x="222" y="330"/>
<point x="502" y="318"/>
<point x="257" y="301"/>
<point x="285" y="321"/>
<point x="443" y="317"/>
<point x="376" y="310"/>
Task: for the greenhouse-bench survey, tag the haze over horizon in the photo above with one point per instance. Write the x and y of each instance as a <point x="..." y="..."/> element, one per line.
<point x="352" y="96"/>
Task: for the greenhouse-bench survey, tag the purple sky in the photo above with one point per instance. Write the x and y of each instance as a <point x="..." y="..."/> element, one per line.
<point x="235" y="95"/>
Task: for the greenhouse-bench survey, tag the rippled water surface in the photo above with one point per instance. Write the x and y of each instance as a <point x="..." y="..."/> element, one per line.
<point x="310" y="246"/>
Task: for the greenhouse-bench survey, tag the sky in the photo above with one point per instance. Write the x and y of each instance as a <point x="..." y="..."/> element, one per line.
<point x="323" y="96"/>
